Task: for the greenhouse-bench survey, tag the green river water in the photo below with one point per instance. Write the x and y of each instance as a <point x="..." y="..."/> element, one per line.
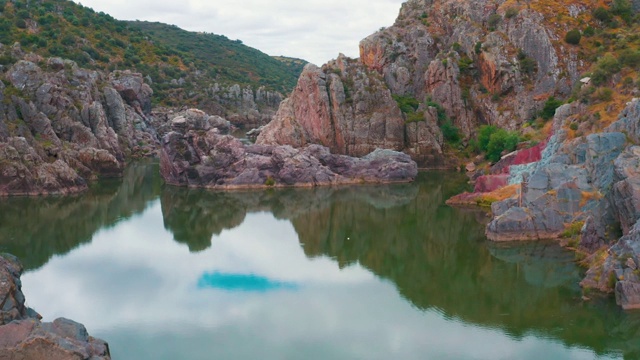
<point x="369" y="272"/>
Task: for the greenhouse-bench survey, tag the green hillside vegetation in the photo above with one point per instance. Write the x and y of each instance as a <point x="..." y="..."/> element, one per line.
<point x="96" y="40"/>
<point x="224" y="57"/>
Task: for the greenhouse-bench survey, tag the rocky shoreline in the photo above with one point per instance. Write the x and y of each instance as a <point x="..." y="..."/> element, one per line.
<point x="583" y="191"/>
<point x="24" y="336"/>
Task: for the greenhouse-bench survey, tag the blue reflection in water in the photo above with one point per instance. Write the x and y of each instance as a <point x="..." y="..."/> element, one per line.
<point x="242" y="282"/>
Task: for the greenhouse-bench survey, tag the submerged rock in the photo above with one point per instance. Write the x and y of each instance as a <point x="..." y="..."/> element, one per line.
<point x="196" y="154"/>
<point x="24" y="336"/>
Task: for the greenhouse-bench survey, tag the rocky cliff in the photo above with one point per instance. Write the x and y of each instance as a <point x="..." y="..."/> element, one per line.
<point x="244" y="107"/>
<point x="461" y="63"/>
<point x="62" y="125"/>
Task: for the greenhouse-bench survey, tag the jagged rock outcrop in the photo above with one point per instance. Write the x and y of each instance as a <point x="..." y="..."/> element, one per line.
<point x="61" y="125"/>
<point x="349" y="109"/>
<point x="24" y="336"/>
<point x="196" y="154"/>
<point x="423" y="52"/>
<point x="477" y="64"/>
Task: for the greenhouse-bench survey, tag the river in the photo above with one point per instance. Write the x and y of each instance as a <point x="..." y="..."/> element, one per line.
<point x="368" y="272"/>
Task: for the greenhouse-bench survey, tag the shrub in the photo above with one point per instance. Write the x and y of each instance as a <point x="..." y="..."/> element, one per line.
<point x="573" y="126"/>
<point x="484" y="135"/>
<point x="501" y="141"/>
<point x="573" y="37"/>
<point x="464" y="63"/>
<point x="415" y="117"/>
<point x="527" y="64"/>
<point x="478" y="47"/>
<point x="450" y="132"/>
<point x="623" y="9"/>
<point x="406" y="103"/>
<point x="603" y="94"/>
<point x="630" y="58"/>
<point x="589" y="31"/>
<point x="493" y="21"/>
<point x="602" y="14"/>
<point x="609" y="64"/>
<point x="550" y="107"/>
<point x="511" y="12"/>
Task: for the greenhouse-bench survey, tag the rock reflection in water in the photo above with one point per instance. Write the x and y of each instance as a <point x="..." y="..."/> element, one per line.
<point x="36" y="228"/>
<point x="437" y="256"/>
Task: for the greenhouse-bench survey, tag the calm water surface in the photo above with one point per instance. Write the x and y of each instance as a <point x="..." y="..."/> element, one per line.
<point x="372" y="272"/>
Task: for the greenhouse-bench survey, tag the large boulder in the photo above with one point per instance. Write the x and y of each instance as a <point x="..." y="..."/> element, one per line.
<point x="24" y="336"/>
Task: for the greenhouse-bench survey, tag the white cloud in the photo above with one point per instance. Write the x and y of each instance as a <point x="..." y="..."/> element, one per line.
<point x="315" y="30"/>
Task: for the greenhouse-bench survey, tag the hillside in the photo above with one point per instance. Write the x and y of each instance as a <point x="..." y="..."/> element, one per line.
<point x="180" y="65"/>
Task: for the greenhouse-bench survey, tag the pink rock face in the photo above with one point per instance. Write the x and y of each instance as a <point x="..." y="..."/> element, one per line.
<point x="532" y="154"/>
<point x="488" y="183"/>
<point x="343" y="106"/>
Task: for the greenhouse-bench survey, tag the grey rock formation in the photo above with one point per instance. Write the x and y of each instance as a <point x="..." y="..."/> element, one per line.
<point x="567" y="185"/>
<point x="61" y="125"/>
<point x="243" y="107"/>
<point x="196" y="154"/>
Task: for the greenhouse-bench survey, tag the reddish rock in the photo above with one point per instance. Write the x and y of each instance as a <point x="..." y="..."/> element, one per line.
<point x="196" y="155"/>
<point x="488" y="183"/>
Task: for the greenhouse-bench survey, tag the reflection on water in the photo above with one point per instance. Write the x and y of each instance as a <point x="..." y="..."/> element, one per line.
<point x="378" y="272"/>
<point x="34" y="229"/>
<point x="242" y="282"/>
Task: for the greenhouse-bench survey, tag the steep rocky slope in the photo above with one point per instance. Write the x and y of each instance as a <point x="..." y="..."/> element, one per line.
<point x="61" y="125"/>
<point x="461" y="63"/>
<point x="210" y="71"/>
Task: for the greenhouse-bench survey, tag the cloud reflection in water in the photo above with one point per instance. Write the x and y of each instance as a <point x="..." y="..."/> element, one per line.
<point x="242" y="282"/>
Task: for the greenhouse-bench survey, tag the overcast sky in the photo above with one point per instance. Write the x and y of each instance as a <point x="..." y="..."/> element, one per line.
<point x="314" y="30"/>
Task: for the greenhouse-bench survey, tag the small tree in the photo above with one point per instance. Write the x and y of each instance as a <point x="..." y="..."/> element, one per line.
<point x="573" y="37"/>
<point x="549" y="109"/>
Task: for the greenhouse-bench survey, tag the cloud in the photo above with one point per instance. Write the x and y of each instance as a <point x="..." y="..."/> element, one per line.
<point x="315" y="30"/>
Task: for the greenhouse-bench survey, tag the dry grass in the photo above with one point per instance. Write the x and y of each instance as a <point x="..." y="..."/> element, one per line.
<point x="501" y="194"/>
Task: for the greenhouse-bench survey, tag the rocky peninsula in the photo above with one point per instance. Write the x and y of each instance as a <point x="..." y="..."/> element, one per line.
<point x="196" y="154"/>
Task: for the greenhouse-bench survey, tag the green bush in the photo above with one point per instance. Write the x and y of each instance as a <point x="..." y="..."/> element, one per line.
<point x="406" y="103"/>
<point x="501" y="141"/>
<point x="573" y="37"/>
<point x="549" y="109"/>
<point x="623" y="9"/>
<point x="478" y="47"/>
<point x="602" y="14"/>
<point x="450" y="132"/>
<point x="493" y="21"/>
<point x="609" y="64"/>
<point x="589" y="31"/>
<point x="527" y="64"/>
<point x="484" y="135"/>
<point x="629" y="58"/>
<point x="464" y="63"/>
<point x="511" y="12"/>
